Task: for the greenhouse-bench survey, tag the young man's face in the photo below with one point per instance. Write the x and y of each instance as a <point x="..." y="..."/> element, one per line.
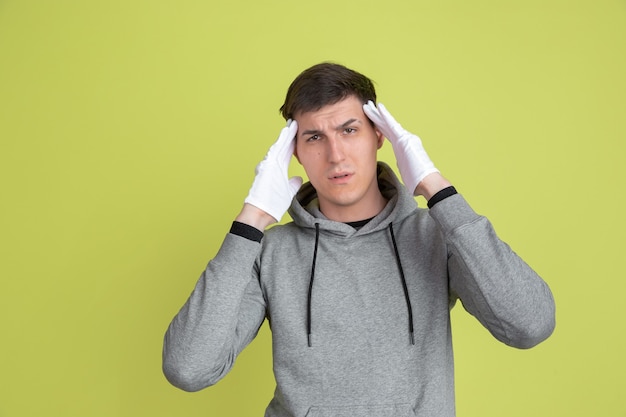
<point x="337" y="146"/>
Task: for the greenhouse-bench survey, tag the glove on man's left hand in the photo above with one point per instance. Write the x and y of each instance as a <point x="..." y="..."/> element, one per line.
<point x="413" y="161"/>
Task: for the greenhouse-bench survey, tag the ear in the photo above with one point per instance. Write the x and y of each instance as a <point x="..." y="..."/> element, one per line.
<point x="381" y="138"/>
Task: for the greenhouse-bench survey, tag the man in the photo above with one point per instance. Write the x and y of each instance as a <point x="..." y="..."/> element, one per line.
<point x="358" y="288"/>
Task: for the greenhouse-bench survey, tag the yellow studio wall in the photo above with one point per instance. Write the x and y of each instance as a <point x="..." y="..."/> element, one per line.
<point x="129" y="133"/>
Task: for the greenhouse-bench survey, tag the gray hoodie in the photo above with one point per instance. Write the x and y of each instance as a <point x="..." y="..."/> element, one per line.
<point x="360" y="319"/>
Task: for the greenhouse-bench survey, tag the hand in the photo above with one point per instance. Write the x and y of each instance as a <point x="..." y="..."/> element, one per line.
<point x="413" y="162"/>
<point x="271" y="190"/>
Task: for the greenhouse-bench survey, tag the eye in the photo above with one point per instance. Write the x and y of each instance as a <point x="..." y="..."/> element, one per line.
<point x="349" y="130"/>
<point x="313" y="138"/>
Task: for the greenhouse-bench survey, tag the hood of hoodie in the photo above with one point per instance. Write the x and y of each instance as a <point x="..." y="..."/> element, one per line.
<point x="305" y="210"/>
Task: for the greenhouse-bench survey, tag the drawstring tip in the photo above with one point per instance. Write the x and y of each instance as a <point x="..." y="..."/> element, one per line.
<point x="309" y="340"/>
<point x="412" y="338"/>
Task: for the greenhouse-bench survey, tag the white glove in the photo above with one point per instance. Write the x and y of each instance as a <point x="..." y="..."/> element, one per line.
<point x="413" y="162"/>
<point x="271" y="190"/>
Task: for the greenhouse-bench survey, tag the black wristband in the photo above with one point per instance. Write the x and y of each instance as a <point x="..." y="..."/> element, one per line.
<point x="247" y="231"/>
<point x="441" y="195"/>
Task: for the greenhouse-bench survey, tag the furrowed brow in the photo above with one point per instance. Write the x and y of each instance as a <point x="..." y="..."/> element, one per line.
<point x="340" y="127"/>
<point x="311" y="132"/>
<point x="348" y="123"/>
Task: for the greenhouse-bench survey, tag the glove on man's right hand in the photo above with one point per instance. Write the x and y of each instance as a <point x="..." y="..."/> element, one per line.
<point x="272" y="190"/>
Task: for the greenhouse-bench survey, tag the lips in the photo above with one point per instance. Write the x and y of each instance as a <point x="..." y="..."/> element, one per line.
<point x="340" y="177"/>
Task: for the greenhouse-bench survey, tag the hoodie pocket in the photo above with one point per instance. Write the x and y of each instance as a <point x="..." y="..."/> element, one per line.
<point x="384" y="410"/>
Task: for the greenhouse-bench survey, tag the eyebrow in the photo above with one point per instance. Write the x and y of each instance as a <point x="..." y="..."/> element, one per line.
<point x="343" y="125"/>
<point x="348" y="123"/>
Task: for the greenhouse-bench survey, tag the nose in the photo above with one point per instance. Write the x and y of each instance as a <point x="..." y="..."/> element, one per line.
<point x="335" y="150"/>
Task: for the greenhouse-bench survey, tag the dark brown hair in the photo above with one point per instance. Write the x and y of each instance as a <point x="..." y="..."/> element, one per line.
<point x="324" y="84"/>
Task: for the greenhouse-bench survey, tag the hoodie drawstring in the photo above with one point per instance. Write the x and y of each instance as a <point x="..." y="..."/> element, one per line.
<point x="404" y="286"/>
<point x="308" y="318"/>
<point x="400" y="269"/>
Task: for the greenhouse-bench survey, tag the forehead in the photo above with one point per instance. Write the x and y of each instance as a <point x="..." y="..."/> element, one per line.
<point x="348" y="108"/>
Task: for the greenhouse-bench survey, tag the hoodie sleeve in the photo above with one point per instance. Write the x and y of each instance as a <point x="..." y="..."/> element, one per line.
<point x="494" y="284"/>
<point x="221" y="317"/>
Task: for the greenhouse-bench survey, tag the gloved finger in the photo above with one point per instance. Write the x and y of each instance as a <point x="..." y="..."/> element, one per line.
<point x="384" y="113"/>
<point x="389" y="120"/>
<point x="371" y="111"/>
<point x="376" y="116"/>
<point x="289" y="140"/>
<point x="284" y="146"/>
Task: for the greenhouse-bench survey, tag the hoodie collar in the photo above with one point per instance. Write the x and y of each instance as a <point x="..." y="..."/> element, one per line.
<point x="305" y="210"/>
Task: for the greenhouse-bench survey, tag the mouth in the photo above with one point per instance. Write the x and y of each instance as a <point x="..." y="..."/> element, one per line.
<point x="340" y="177"/>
